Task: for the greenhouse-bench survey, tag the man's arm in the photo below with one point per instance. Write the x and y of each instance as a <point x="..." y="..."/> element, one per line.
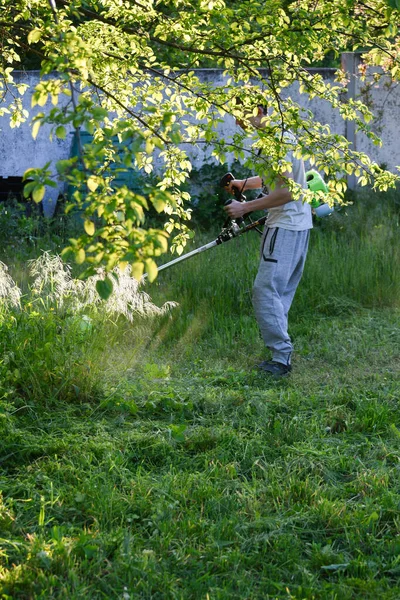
<point x="251" y="183"/>
<point x="278" y="197"/>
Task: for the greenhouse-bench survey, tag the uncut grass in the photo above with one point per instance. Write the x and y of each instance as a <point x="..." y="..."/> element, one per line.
<point x="353" y="264"/>
<point x="182" y="472"/>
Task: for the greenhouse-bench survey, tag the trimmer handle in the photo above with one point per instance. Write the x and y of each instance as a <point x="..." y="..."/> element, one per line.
<point x="225" y="180"/>
<point x="238" y="221"/>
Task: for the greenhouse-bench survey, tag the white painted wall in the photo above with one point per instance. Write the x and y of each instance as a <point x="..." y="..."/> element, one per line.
<point x="19" y="151"/>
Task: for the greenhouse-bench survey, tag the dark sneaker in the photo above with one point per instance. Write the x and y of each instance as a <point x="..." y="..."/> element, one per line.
<point x="276" y="369"/>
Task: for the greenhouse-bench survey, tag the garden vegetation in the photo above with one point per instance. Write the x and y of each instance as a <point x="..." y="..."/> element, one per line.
<point x="145" y="457"/>
<point x="141" y="453"/>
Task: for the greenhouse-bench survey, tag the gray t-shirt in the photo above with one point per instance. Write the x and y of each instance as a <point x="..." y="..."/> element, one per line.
<point x="295" y="215"/>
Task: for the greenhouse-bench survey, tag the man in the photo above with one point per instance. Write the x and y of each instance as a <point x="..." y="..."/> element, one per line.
<point x="283" y="253"/>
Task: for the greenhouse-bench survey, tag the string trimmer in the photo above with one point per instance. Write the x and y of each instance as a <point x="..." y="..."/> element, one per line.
<point x="234" y="228"/>
<point x="231" y="229"/>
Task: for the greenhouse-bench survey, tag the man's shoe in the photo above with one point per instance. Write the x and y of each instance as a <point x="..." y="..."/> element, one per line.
<point x="276" y="369"/>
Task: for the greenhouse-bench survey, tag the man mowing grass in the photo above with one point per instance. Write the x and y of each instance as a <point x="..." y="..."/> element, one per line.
<point x="284" y="248"/>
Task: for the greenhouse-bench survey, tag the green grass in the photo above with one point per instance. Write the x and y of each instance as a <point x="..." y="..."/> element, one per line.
<point x="153" y="461"/>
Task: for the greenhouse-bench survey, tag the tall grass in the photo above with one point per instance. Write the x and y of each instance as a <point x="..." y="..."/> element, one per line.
<point x="354" y="259"/>
<point x="53" y="336"/>
<point x="353" y="263"/>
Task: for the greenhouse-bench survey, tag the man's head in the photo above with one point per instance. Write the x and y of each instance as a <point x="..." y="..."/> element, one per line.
<point x="255" y="120"/>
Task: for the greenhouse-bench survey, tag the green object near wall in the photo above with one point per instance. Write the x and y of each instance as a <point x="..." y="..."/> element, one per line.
<point x="121" y="174"/>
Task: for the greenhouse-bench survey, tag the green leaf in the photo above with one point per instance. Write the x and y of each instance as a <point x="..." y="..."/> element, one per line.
<point x="35" y="128"/>
<point x="80" y="256"/>
<point x="68" y="254"/>
<point x="149" y="146"/>
<point x="42" y="98"/>
<point x="104" y="288"/>
<point x="151" y="269"/>
<point x="137" y="269"/>
<point x="28" y="188"/>
<point x="373" y="517"/>
<point x="38" y="193"/>
<point x="176" y="137"/>
<point x="34" y="36"/>
<point x="89" y="227"/>
<point x="92" y="183"/>
<point x="99" y="113"/>
<point x="158" y="203"/>
<point x="65" y="165"/>
<point x="61" y="132"/>
<point x="178" y="432"/>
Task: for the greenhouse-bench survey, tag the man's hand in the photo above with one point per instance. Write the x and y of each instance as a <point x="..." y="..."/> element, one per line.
<point x="235" y="185"/>
<point x="236" y="209"/>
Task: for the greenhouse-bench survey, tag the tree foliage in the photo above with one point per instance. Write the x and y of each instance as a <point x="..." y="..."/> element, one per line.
<point x="128" y="70"/>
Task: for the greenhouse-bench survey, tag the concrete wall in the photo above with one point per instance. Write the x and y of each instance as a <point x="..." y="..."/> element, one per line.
<point x="322" y="110"/>
<point x="383" y="97"/>
<point x="19" y="151"/>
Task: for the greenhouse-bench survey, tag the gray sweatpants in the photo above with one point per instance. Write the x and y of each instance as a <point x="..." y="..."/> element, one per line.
<point x="283" y="254"/>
